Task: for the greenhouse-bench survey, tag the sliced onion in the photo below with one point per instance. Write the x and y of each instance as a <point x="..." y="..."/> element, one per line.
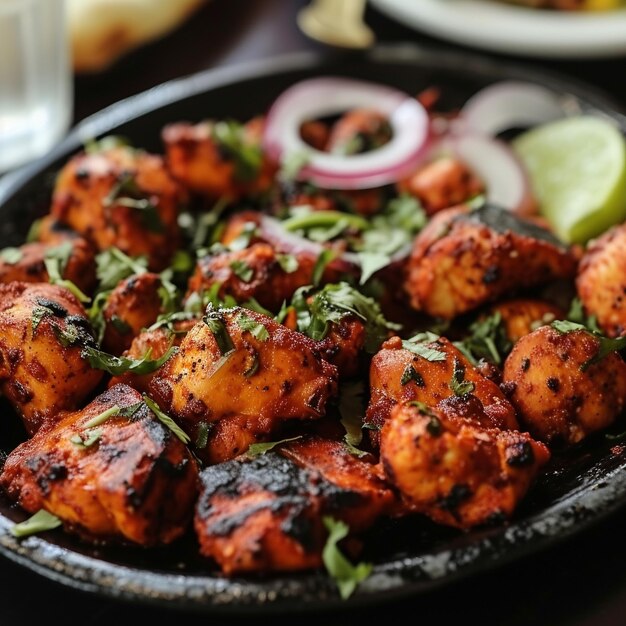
<point x="493" y="161"/>
<point x="321" y="97"/>
<point x="510" y="104"/>
<point x="272" y="231"/>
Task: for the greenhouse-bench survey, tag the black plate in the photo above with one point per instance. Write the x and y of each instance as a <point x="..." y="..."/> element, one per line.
<point x="411" y="556"/>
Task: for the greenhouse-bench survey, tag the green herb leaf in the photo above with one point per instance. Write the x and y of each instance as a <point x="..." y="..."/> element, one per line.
<point x="411" y="374"/>
<point x="39" y="522"/>
<point x="322" y="262"/>
<point x="168" y="321"/>
<point x="166" y="419"/>
<point x="117" y="365"/>
<point x="88" y="438"/>
<point x="39" y="312"/>
<point x="213" y="319"/>
<point x="324" y="219"/>
<point x="487" y="340"/>
<point x="371" y="262"/>
<point x="256" y="329"/>
<point x="94" y="146"/>
<point x="247" y="156"/>
<point x="346" y="575"/>
<point x="126" y="192"/>
<point x="577" y="314"/>
<point x="459" y="386"/>
<point x="202" y="435"/>
<point x="565" y="326"/>
<point x="11" y="256"/>
<point x="352" y="405"/>
<point x="99" y="419"/>
<point x="419" y="345"/>
<point x="242" y="270"/>
<point x="606" y="347"/>
<point x="56" y="260"/>
<point x="332" y="304"/>
<point x="113" y="266"/>
<point x="257" y="449"/>
<point x="288" y="263"/>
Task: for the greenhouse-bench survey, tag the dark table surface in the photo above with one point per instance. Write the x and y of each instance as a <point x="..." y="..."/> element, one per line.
<point x="579" y="582"/>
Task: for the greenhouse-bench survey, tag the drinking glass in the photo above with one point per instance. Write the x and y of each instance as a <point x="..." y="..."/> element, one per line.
<point x="36" y="88"/>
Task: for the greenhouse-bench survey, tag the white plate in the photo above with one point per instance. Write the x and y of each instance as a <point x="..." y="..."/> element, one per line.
<point x="518" y="30"/>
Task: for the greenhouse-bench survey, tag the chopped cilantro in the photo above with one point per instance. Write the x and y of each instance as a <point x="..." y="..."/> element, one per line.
<point x="39" y="522"/>
<point x="257" y="449"/>
<point x="458" y="384"/>
<point x="117" y="365"/>
<point x="242" y="270"/>
<point x="166" y="419"/>
<point x="256" y="329"/>
<point x="346" y="575"/>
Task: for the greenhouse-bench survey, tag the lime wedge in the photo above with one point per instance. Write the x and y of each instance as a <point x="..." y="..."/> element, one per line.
<point x="577" y="170"/>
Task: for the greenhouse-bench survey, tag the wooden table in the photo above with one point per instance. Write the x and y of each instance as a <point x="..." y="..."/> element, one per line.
<point x="581" y="582"/>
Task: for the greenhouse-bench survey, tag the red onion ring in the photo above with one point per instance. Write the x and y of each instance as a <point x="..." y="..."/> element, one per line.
<point x="320" y="97"/>
<point x="509" y="104"/>
<point x="493" y="161"/>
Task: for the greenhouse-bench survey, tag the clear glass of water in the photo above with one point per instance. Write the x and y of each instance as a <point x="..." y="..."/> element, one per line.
<point x="36" y="80"/>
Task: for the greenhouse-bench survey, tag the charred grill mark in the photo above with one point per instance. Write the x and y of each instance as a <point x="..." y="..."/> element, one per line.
<point x="57" y="309"/>
<point x="520" y="454"/>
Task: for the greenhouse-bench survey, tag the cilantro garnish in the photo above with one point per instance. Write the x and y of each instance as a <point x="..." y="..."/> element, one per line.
<point x="242" y="270"/>
<point x="346" y="575"/>
<point x="166" y="420"/>
<point x="487" y="340"/>
<point x="39" y="522"/>
<point x="11" y="256"/>
<point x="606" y="345"/>
<point x="246" y="156"/>
<point x="332" y="304"/>
<point x="256" y="329"/>
<point x="117" y="365"/>
<point x="257" y="449"/>
<point x="420" y="345"/>
<point x="458" y="384"/>
<point x="126" y="192"/>
<point x="56" y="260"/>
<point x="214" y="320"/>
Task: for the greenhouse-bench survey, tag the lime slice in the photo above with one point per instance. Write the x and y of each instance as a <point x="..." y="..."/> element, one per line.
<point x="577" y="169"/>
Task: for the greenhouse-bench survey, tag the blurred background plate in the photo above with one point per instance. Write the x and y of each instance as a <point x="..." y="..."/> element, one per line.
<point x="499" y="27"/>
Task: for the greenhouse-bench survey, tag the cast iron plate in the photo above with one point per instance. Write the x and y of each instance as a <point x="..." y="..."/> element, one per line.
<point x="411" y="556"/>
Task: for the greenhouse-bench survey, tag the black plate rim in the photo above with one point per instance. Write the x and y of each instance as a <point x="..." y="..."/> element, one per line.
<point x="302" y="592"/>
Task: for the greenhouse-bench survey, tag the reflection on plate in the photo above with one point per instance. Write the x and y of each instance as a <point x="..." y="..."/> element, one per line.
<point x="410" y="556"/>
<point x="512" y="29"/>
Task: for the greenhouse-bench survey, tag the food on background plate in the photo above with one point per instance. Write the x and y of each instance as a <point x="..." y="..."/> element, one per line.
<point x="355" y="306"/>
<point x="570" y="5"/>
<point x="103" y="31"/>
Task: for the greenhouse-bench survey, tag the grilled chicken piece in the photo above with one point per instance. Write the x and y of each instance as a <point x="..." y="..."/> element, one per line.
<point x="464" y="259"/>
<point x="442" y="183"/>
<point x="560" y="392"/>
<point x="601" y="280"/>
<point x="124" y="198"/>
<point x="43" y="329"/>
<point x="455" y="471"/>
<point x="219" y="159"/>
<point x="237" y="376"/>
<point x="266" y="513"/>
<point x="132" y="306"/>
<point x="118" y="477"/>
<point x="359" y="131"/>
<point x="157" y="341"/>
<point x="255" y="272"/>
<point x="49" y="229"/>
<point x="521" y="316"/>
<point x="76" y="262"/>
<point x="445" y="378"/>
